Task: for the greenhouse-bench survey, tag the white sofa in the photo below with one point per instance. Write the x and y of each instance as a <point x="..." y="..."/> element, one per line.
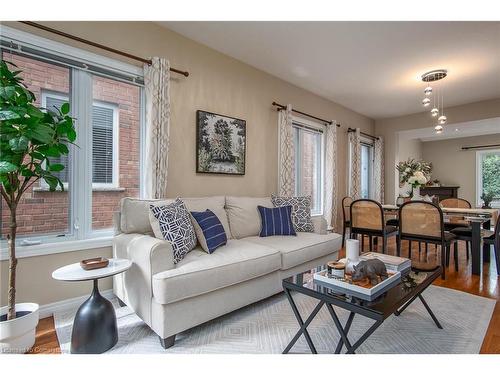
<point x="172" y="298"/>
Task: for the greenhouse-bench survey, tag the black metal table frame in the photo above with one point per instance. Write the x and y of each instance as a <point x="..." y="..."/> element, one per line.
<point x="325" y="299"/>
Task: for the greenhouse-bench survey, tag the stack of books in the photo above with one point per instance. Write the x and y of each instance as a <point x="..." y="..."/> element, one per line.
<point x="392" y="263"/>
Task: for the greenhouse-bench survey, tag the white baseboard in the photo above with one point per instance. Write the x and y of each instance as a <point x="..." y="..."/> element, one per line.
<point x="66" y="304"/>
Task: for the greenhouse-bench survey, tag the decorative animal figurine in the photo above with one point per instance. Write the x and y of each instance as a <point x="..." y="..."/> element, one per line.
<point x="370" y="268"/>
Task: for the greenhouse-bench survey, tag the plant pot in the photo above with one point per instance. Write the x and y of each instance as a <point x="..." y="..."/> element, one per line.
<point x="18" y="335"/>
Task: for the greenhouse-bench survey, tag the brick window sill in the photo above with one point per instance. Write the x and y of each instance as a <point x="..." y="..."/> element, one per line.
<point x="43" y="189"/>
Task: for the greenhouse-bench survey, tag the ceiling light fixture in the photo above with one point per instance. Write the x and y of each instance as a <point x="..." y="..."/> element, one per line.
<point x="437" y="96"/>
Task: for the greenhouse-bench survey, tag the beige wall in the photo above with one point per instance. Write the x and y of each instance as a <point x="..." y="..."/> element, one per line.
<point x="409" y="149"/>
<point x="35" y="283"/>
<point x="453" y="166"/>
<point x="389" y="128"/>
<point x="217" y="83"/>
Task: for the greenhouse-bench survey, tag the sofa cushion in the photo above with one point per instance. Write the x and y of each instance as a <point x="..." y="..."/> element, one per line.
<point x="301" y="248"/>
<point x="200" y="273"/>
<point x="172" y="223"/>
<point x="215" y="204"/>
<point x="244" y="218"/>
<point x="134" y="214"/>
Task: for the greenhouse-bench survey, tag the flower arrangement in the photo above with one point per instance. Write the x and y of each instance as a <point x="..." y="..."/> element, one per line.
<point x="408" y="168"/>
<point x="416" y="173"/>
<point x="416" y="180"/>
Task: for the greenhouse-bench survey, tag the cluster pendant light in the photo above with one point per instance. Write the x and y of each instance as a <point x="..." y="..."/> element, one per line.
<point x="433" y="98"/>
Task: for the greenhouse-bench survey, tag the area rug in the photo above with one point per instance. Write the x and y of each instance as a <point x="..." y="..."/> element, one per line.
<point x="268" y="326"/>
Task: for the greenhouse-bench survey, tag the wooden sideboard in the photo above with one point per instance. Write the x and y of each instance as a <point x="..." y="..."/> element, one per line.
<point x="442" y="192"/>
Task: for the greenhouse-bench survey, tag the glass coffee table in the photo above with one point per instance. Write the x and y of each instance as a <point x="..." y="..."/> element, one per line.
<point x="394" y="301"/>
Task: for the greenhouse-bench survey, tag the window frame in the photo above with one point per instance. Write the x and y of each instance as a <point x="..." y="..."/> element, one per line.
<point x="116" y="139"/>
<point x="318" y="128"/>
<point x="479" y="177"/>
<point x="371" y="162"/>
<point x="83" y="65"/>
<point x="116" y="147"/>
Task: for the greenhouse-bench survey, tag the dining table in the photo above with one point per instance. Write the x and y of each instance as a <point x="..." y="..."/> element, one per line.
<point x="480" y="220"/>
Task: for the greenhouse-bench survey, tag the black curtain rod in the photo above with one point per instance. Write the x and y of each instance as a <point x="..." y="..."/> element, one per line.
<point x="281" y="106"/>
<point x="483" y="146"/>
<point x="349" y="130"/>
<point x="97" y="45"/>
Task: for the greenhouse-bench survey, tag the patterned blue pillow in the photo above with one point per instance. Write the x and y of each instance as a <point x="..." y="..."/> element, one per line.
<point x="173" y="224"/>
<point x="276" y="221"/>
<point x="209" y="230"/>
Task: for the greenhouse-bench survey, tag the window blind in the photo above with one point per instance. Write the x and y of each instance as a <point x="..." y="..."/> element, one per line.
<point x="102" y="145"/>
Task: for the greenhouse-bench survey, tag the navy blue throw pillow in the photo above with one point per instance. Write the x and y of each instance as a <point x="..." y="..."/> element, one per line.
<point x="276" y="221"/>
<point x="209" y="230"/>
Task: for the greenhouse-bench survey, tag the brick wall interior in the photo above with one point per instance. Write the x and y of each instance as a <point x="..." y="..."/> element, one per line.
<point x="44" y="212"/>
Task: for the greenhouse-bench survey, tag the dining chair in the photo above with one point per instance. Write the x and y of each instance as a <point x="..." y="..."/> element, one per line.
<point x="494" y="240"/>
<point x="346" y="215"/>
<point x="465" y="234"/>
<point x="367" y="218"/>
<point x="457" y="221"/>
<point x="423" y="222"/>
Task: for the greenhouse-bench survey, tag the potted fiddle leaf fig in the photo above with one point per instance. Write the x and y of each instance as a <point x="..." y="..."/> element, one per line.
<point x="29" y="137"/>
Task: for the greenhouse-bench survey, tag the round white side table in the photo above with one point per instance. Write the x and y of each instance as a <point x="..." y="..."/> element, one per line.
<point x="94" y="328"/>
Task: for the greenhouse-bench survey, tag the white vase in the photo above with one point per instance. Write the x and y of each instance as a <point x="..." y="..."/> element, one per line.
<point x="416" y="194"/>
<point x="18" y="335"/>
<point x="352" y="254"/>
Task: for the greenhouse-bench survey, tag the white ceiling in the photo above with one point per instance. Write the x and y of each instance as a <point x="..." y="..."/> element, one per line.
<point x="370" y="67"/>
<point x="457" y="130"/>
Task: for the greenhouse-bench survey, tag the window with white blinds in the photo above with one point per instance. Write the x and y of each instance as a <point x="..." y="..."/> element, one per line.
<point x="104" y="141"/>
<point x="103" y="144"/>
<point x="309" y="154"/>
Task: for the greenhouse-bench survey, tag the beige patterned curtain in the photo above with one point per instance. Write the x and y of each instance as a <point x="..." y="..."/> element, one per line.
<point x="286" y="166"/>
<point x="157" y="92"/>
<point x="378" y="170"/>
<point x="355" y="165"/>
<point x="330" y="212"/>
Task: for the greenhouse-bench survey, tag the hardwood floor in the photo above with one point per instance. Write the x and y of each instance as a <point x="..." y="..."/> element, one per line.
<point x="486" y="285"/>
<point x="46" y="338"/>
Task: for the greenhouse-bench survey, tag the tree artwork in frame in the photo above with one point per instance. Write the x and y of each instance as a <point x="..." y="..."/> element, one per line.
<point x="220" y="144"/>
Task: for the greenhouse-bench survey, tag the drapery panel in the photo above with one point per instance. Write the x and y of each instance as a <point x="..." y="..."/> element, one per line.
<point x="378" y="170"/>
<point x="157" y="105"/>
<point x="286" y="166"/>
<point x="330" y="208"/>
<point x="355" y="164"/>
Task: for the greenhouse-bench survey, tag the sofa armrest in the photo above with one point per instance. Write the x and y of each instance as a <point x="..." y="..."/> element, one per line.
<point x="149" y="255"/>
<point x="320" y="225"/>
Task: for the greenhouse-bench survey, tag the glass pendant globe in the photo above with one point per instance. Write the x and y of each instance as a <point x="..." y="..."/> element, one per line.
<point x="428" y="91"/>
<point x="434" y="112"/>
<point x="442" y="119"/>
<point x="438" y="129"/>
<point x="426" y="102"/>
